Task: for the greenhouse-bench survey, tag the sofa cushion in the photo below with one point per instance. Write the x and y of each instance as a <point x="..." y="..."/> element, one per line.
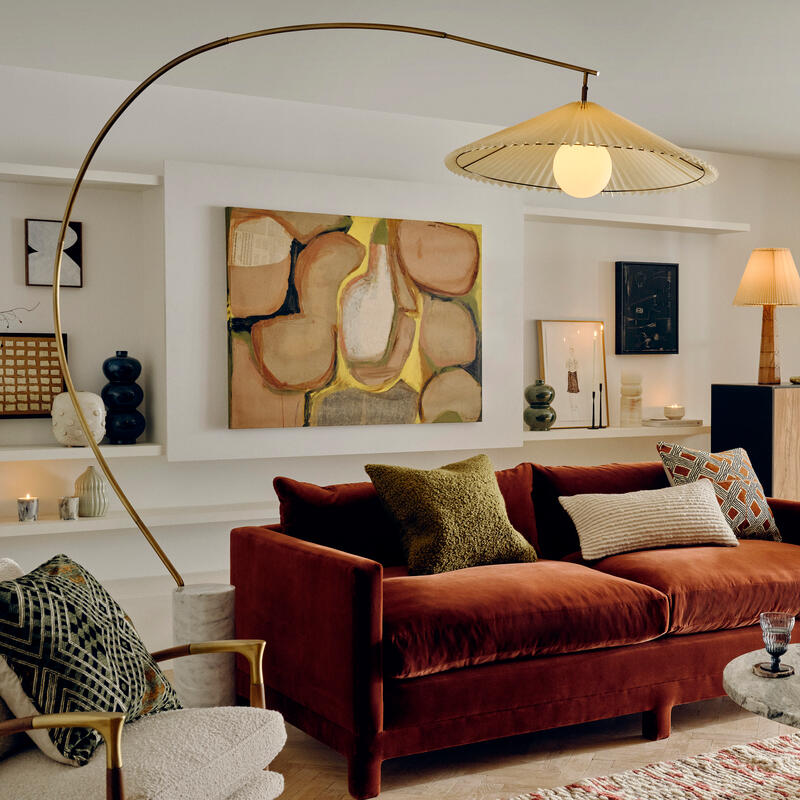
<point x="351" y="518"/>
<point x="434" y="623"/>
<point x="557" y="536"/>
<point x="209" y="753"/>
<point x="715" y="588"/>
<point x="675" y="516"/>
<point x="739" y="492"/>
<point x="453" y="517"/>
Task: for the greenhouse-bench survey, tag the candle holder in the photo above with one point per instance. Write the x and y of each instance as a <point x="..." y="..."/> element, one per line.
<point x="674" y="411"/>
<point x="28" y="508"/>
<point x="68" y="507"/>
<point x="593" y="426"/>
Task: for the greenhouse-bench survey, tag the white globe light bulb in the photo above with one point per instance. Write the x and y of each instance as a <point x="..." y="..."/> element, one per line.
<point x="582" y="170"/>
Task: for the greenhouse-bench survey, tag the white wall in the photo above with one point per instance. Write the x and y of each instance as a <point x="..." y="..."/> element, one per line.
<point x="50" y="118"/>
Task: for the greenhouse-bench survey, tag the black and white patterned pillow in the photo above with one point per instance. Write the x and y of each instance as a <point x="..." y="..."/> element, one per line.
<point x="66" y="645"/>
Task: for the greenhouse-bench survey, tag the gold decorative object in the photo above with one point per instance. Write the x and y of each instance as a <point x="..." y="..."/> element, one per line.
<point x="641" y="162"/>
<point x="770" y="279"/>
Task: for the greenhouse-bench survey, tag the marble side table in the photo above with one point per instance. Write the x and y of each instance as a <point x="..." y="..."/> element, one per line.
<point x="203" y="612"/>
<point x="775" y="698"/>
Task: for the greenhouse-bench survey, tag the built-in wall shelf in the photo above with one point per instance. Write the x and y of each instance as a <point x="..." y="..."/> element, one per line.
<point x="644" y="432"/>
<point x="35" y="173"/>
<point x="54" y="452"/>
<point x="234" y="513"/>
<point x="612" y="218"/>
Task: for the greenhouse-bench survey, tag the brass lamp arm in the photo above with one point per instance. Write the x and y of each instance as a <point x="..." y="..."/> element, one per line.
<point x="189" y="54"/>
<point x="107" y="724"/>
<point x="251" y="649"/>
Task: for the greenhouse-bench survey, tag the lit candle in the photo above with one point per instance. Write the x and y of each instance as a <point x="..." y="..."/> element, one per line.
<point x="674" y="411"/>
<point x="594" y="362"/>
<point x="27" y="508"/>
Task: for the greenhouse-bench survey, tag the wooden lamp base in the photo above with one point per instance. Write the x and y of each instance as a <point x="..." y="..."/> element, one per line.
<point x="769" y="365"/>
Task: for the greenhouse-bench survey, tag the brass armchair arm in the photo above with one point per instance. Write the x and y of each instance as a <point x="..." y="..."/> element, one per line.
<point x="251" y="649"/>
<point x="107" y="724"/>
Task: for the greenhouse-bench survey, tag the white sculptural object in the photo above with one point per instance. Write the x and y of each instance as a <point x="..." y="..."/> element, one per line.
<point x="66" y="427"/>
<point x="630" y="401"/>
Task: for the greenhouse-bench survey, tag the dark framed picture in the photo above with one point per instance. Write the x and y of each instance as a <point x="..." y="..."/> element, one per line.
<point x="647" y="308"/>
<point x="30" y="375"/>
<point x="41" y="236"/>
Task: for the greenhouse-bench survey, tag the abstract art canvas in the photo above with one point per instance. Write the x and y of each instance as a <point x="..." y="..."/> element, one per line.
<point x="349" y="320"/>
<point x="41" y="236"/>
<point x="30" y="375"/>
<point x="647" y="308"/>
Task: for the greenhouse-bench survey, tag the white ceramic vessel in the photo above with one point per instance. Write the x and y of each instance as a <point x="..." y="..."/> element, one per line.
<point x="66" y="427"/>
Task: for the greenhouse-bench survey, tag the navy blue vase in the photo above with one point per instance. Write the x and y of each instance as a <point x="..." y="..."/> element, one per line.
<point x="124" y="424"/>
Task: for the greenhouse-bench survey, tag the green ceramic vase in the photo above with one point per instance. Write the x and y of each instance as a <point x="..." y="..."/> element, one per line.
<point x="540" y="416"/>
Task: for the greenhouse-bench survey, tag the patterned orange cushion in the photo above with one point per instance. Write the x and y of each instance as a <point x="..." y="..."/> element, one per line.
<point x="739" y="492"/>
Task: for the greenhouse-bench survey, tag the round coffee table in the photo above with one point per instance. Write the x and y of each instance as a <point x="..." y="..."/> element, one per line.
<point x="775" y="698"/>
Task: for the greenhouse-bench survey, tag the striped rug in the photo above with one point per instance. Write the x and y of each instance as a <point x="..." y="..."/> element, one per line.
<point x="766" y="770"/>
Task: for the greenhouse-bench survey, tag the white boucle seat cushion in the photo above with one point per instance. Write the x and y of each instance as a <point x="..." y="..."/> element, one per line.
<point x="191" y="753"/>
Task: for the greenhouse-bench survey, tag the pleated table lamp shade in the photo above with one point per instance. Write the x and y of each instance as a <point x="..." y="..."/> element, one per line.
<point x="770" y="279"/>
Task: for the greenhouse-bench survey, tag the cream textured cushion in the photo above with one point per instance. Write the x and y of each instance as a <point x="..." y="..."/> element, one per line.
<point x="618" y="523"/>
<point x="188" y="754"/>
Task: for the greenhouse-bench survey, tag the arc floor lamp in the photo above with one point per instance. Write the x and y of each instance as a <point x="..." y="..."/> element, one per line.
<point x="580" y="148"/>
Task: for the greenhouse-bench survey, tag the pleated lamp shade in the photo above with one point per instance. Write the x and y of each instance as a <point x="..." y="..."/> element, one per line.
<point x="523" y="154"/>
<point x="770" y="279"/>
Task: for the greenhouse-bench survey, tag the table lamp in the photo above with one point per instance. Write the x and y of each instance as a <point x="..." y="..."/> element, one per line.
<point x="770" y="279"/>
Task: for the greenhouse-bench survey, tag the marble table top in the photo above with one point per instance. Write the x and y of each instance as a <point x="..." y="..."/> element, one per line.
<point x="774" y="698"/>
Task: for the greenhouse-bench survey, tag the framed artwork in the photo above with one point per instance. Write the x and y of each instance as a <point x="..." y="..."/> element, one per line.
<point x="646" y="308"/>
<point x="41" y="236"/>
<point x="336" y="319"/>
<point x="572" y="359"/>
<point x="30" y="375"/>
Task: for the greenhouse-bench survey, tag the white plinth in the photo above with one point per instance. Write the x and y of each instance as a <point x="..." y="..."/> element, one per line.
<point x="203" y="612"/>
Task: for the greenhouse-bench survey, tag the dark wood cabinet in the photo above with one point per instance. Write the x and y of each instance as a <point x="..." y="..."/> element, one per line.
<point x="765" y="420"/>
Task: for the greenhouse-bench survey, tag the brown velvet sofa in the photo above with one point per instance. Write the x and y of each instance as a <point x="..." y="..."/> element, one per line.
<point x="379" y="664"/>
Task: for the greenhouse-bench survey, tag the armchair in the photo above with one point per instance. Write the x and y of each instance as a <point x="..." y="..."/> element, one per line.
<point x="214" y="753"/>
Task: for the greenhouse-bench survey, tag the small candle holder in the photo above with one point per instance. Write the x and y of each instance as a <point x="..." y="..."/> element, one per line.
<point x="674" y="411"/>
<point x="68" y="507"/>
<point x="28" y="508"/>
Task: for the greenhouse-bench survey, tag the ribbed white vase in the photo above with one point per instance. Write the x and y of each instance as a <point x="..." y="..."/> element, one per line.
<point x="91" y="489"/>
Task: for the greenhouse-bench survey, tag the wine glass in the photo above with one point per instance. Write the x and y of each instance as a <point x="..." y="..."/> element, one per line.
<point x="776" y="630"/>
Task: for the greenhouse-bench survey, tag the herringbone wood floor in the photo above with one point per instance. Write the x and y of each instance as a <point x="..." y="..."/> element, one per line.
<point x="502" y="769"/>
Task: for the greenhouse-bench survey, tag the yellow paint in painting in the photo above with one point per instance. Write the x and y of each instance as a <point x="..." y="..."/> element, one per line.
<point x="412" y="371"/>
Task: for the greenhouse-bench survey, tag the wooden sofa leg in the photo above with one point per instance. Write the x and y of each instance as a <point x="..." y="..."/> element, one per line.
<point x="364" y="775"/>
<point x="656" y="724"/>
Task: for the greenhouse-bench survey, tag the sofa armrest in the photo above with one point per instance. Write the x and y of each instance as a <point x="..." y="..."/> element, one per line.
<point x="321" y="613"/>
<point x="787" y="518"/>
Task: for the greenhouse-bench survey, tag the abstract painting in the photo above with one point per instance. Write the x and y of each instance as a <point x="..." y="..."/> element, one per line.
<point x="30" y="375"/>
<point x="647" y="308"/>
<point x="41" y="236"/>
<point x="348" y="320"/>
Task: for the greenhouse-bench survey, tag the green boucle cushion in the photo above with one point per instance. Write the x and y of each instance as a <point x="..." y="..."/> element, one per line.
<point x="450" y="518"/>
